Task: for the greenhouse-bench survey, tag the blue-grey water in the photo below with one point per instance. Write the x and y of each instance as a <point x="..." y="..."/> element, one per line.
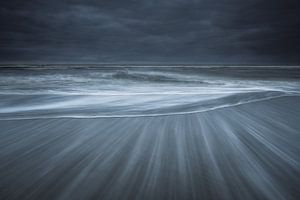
<point x="41" y="91"/>
<point x="121" y="132"/>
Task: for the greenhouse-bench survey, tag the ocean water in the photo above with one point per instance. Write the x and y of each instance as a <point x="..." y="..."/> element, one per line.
<point x="151" y="133"/>
<point x="88" y="91"/>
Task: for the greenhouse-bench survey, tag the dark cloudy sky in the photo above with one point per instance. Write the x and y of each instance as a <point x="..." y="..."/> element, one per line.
<point x="160" y="31"/>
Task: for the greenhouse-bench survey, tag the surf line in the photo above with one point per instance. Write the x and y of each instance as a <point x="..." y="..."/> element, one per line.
<point x="145" y="115"/>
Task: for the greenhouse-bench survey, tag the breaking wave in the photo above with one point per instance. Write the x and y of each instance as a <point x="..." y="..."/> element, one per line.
<point x="134" y="92"/>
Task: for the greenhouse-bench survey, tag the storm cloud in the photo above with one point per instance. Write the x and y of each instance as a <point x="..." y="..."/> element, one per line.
<point x="150" y="31"/>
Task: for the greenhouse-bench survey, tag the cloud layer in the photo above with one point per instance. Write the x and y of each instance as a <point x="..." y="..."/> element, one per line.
<point x="174" y="31"/>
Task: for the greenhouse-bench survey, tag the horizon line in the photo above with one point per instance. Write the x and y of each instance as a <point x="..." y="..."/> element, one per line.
<point x="156" y="64"/>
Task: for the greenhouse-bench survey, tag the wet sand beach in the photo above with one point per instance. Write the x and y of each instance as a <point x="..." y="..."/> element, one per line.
<point x="247" y="151"/>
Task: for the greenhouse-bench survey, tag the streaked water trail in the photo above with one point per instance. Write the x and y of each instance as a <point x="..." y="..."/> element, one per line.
<point x="67" y="135"/>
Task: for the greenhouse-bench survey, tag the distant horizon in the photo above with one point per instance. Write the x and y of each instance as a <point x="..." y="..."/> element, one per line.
<point x="157" y="64"/>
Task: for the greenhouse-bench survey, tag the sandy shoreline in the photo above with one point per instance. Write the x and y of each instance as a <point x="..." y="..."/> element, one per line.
<point x="249" y="151"/>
